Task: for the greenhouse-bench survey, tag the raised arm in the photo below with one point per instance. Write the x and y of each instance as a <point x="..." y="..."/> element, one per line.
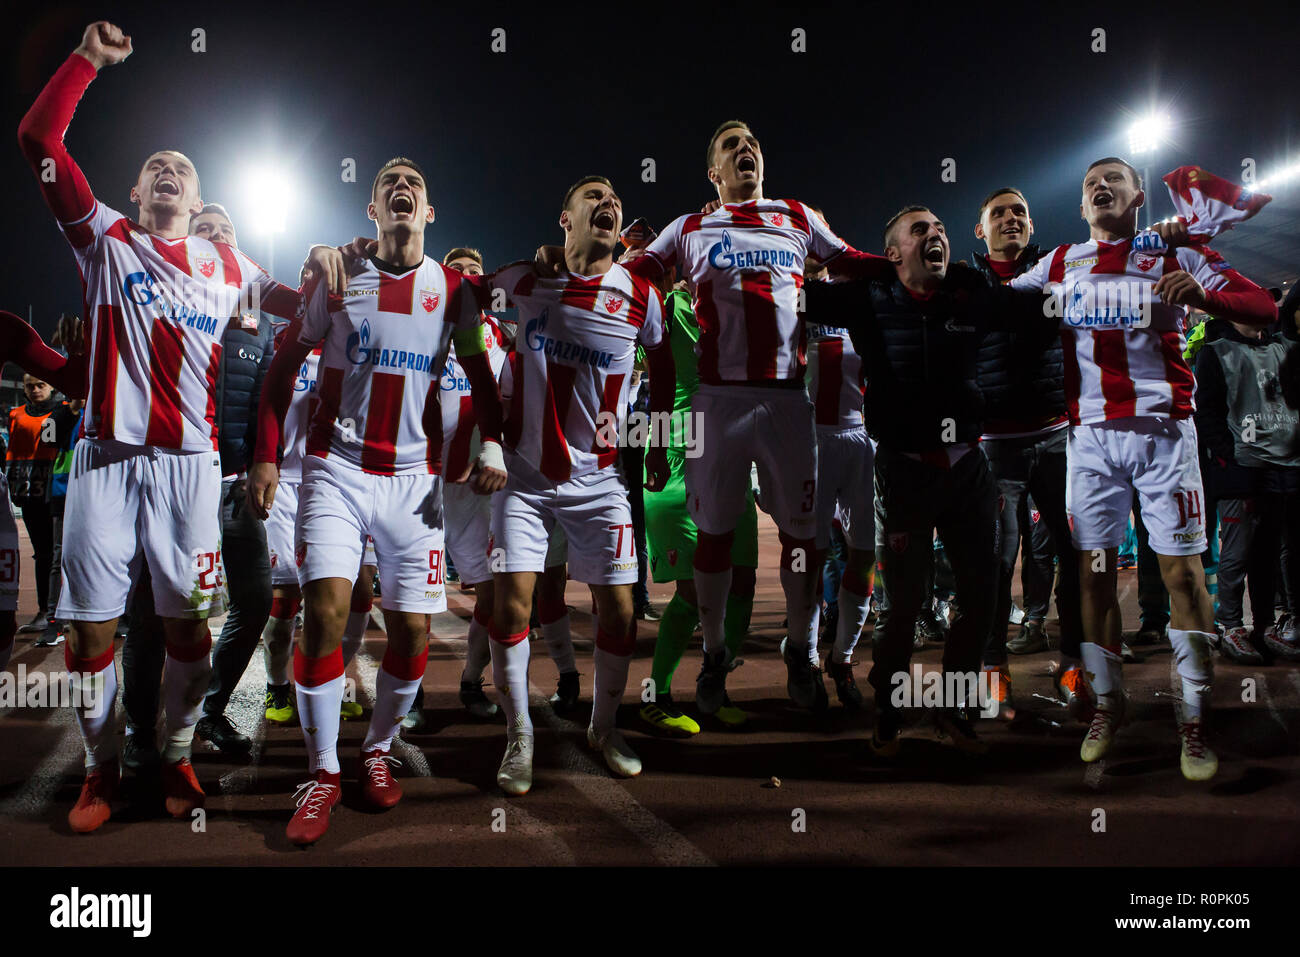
<point x="23" y="346"/>
<point x="40" y="134"/>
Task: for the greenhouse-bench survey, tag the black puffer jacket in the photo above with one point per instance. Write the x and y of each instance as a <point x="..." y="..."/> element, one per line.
<point x="1021" y="372"/>
<point x="245" y="357"/>
<point x="919" y="355"/>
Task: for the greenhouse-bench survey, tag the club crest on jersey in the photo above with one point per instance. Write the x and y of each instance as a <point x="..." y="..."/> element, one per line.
<point x="613" y="304"/>
<point x="207" y="266"/>
<point x="1146" y="262"/>
<point x="776" y="219"/>
<point x="429" y="299"/>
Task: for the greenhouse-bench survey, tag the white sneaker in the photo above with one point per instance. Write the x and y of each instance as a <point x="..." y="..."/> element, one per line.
<point x="619" y="758"/>
<point x="1236" y="645"/>
<point x="515" y="776"/>
<point x="1198" y="762"/>
<point x="1101" y="730"/>
<point x="1281" y="639"/>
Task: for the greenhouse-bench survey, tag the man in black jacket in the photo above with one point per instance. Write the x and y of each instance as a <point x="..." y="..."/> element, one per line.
<point x="245" y="356"/>
<point x="918" y="338"/>
<point x="1022" y="378"/>
<point x="1250" y="447"/>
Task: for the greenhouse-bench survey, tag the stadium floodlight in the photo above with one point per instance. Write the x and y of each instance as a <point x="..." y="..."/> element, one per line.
<point x="1148" y="133"/>
<point x="1281" y="176"/>
<point x="269" y="197"/>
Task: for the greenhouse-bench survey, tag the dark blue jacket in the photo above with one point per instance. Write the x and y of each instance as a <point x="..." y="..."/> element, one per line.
<point x="245" y="357"/>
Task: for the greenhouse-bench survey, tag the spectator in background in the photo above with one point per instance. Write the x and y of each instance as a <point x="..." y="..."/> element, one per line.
<point x="1250" y="441"/>
<point x="30" y="455"/>
<point x="67" y="425"/>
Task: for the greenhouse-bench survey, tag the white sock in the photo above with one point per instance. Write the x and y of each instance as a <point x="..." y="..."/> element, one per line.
<point x="712" y="589"/>
<point x="183" y="687"/>
<point x="510" y="676"/>
<point x="1195" y="668"/>
<point x="353" y="634"/>
<point x="559" y="643"/>
<point x="97" y="692"/>
<point x="278" y="638"/>
<point x="853" y="615"/>
<point x="607" y="693"/>
<point x="318" y="712"/>
<point x="477" y="653"/>
<point x="1105" y="672"/>
<point x="799" y="611"/>
<point x="394" y="695"/>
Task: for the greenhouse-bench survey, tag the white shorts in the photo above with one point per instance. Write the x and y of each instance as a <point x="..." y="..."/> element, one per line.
<point x="773" y="428"/>
<point x="279" y="533"/>
<point x="845" y="489"/>
<point x="1157" y="459"/>
<point x="131" y="502"/>
<point x="592" y="510"/>
<point x="339" y="505"/>
<point x="10" y="564"/>
<point x="468" y="523"/>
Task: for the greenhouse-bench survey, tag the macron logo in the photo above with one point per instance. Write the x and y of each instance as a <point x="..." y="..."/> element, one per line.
<point x="76" y="910"/>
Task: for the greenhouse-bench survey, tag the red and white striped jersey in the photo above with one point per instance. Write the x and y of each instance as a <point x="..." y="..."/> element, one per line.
<point x="746" y="262"/>
<point x="569" y="371"/>
<point x="1123" y="346"/>
<point x="836" y="382"/>
<point x="460" y="435"/>
<point x="156" y="311"/>
<point x="384" y="344"/>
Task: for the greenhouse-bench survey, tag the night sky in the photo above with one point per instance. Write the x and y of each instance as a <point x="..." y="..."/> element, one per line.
<point x="860" y="124"/>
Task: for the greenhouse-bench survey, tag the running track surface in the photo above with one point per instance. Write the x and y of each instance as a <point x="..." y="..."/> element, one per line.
<point x="706" y="800"/>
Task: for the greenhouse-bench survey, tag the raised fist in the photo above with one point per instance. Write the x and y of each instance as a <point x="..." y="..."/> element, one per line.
<point x="104" y="44"/>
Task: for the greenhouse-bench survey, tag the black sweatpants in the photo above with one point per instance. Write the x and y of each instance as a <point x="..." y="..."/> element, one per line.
<point x="913" y="499"/>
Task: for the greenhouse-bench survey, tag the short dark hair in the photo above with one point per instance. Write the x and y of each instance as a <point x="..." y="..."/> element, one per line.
<point x="1137" y="177"/>
<point x="893" y="220"/>
<point x="729" y="125"/>
<point x="399" y="161"/>
<point x="998" y="192"/>
<point x="463" y="252"/>
<point x="218" y="209"/>
<point x="581" y="183"/>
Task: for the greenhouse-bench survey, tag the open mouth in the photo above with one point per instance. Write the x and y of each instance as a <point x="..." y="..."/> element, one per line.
<point x="402" y="203"/>
<point x="166" y="187"/>
<point x="1103" y="200"/>
<point x="747" y="164"/>
<point x="1012" y="230"/>
<point x="603" y="219"/>
<point x="934" y="252"/>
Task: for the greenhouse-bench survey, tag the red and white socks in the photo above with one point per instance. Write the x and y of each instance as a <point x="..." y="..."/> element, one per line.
<point x="319" y="685"/>
<point x="510" y="676"/>
<point x="555" y="632"/>
<point x="186" y="677"/>
<point x="395" y="687"/>
<point x="1194" y="664"/>
<point x="1104" y="667"/>
<point x="477" y="653"/>
<point x="612" y="658"/>
<point x="94" y="695"/>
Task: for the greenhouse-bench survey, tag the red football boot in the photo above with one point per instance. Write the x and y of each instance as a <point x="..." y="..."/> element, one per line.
<point x="312" y="819"/>
<point x="93" y="806"/>
<point x="379" y="788"/>
<point x="181" y="788"/>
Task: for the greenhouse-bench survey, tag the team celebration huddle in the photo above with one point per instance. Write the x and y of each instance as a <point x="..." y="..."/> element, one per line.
<point x="280" y="455"/>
